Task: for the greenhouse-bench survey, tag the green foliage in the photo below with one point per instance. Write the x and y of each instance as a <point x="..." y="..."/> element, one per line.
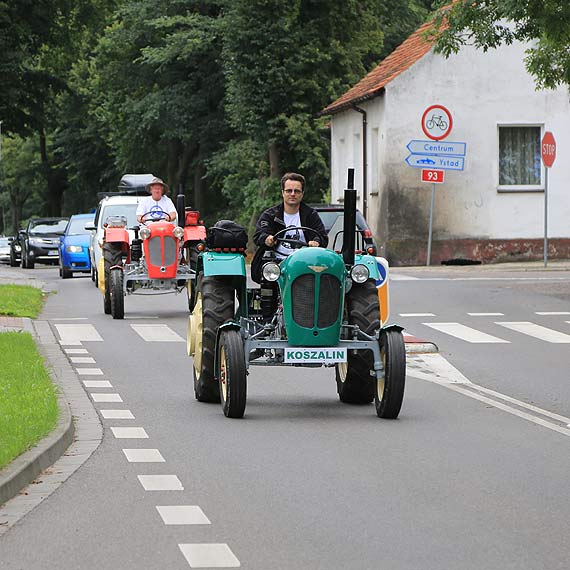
<point x="20" y="301"/>
<point x="545" y="25"/>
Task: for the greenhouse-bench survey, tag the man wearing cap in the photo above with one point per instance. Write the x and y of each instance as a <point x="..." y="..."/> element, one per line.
<point x="157" y="206"/>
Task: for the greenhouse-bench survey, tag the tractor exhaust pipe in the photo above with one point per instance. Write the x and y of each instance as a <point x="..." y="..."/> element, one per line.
<point x="349" y="227"/>
<point x="181" y="209"/>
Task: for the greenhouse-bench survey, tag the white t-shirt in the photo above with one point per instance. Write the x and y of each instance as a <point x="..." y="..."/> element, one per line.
<point x="291" y="220"/>
<point x="148" y="204"/>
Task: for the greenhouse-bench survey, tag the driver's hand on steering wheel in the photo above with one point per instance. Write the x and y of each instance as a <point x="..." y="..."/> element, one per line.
<point x="313" y="243"/>
<point x="269" y="241"/>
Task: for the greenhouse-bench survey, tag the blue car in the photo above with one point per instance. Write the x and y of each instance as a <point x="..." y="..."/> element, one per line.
<point x="74" y="247"/>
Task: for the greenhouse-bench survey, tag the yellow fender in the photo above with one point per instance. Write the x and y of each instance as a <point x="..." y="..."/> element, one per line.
<point x="101" y="275"/>
<point x="382" y="288"/>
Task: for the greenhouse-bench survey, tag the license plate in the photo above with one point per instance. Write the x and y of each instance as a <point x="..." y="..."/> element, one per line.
<point x="52" y="252"/>
<point x="301" y="355"/>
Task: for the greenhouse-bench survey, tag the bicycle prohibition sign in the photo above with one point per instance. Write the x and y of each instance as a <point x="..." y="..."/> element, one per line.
<point x="437" y="122"/>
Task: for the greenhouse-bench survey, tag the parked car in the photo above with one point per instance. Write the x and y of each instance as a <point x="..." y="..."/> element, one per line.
<point x="40" y="241"/>
<point x="332" y="216"/>
<point x="74" y="247"/>
<point x="5" y="249"/>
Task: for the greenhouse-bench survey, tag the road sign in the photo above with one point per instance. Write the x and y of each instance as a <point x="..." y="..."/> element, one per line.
<point x="441" y="148"/>
<point x="436" y="162"/>
<point x="548" y="149"/>
<point x="433" y="176"/>
<point x="437" y="122"/>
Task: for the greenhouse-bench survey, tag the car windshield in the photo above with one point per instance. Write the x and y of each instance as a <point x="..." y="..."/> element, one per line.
<point x="333" y="217"/>
<point x="128" y="210"/>
<point x="48" y="227"/>
<point x="77" y="226"/>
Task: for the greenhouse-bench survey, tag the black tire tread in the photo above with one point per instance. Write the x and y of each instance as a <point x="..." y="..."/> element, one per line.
<point x="234" y="406"/>
<point x="116" y="293"/>
<point x="393" y="346"/>
<point x="112" y="255"/>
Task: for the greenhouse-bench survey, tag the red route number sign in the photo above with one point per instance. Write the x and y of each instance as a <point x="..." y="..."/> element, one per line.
<point x="548" y="149"/>
<point x="433" y="176"/>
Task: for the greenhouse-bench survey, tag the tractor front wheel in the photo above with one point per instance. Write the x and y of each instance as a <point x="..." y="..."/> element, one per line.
<point x="389" y="392"/>
<point x="112" y="255"/>
<point x="232" y="380"/>
<point x="354" y="382"/>
<point x="116" y="293"/>
<point x="214" y="306"/>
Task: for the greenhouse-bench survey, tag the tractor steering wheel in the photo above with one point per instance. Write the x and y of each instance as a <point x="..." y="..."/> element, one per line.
<point x="157" y="216"/>
<point x="295" y="243"/>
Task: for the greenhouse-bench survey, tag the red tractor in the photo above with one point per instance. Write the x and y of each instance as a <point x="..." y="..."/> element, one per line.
<point x="159" y="259"/>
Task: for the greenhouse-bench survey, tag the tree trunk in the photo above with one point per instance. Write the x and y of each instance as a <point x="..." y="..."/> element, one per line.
<point x="273" y="152"/>
<point x="56" y="181"/>
<point x="200" y="189"/>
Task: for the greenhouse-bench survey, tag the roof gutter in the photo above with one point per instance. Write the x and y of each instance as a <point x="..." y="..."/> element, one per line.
<point x="364" y="160"/>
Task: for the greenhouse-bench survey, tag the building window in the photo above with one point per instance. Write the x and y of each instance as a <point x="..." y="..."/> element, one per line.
<point x="519" y="158"/>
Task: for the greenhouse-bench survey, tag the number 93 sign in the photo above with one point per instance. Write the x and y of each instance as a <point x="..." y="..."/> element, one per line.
<point x="437" y="122"/>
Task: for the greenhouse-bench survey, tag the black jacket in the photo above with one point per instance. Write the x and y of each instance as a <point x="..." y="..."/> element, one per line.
<point x="271" y="221"/>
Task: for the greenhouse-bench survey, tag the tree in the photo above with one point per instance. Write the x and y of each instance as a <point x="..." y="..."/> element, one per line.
<point x="486" y="24"/>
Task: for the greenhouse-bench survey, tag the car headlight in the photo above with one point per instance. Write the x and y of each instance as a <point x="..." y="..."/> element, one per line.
<point x="271" y="271"/>
<point x="36" y="241"/>
<point x="144" y="233"/>
<point x="178" y="232"/>
<point x="73" y="248"/>
<point x="359" y="273"/>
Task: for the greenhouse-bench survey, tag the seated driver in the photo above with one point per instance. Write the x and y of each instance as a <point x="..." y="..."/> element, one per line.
<point x="292" y="212"/>
<point x="157" y="206"/>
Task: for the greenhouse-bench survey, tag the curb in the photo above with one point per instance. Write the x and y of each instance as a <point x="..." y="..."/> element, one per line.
<point x="27" y="466"/>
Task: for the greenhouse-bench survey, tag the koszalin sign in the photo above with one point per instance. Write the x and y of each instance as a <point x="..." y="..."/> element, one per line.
<point x="446" y="148"/>
<point x="437" y="122"/>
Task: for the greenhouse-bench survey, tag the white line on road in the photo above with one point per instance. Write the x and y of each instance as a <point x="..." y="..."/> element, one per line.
<point x="486" y="314"/>
<point x="82" y="360"/>
<point x="129" y="432"/>
<point x="106" y="397"/>
<point x="157" y="333"/>
<point x="465" y="333"/>
<point x="89" y="371"/>
<point x="97" y="384"/>
<point x="209" y="556"/>
<point x="143" y="456"/>
<point x="182" y="514"/>
<point x="117" y="414"/>
<point x="552" y="313"/>
<point x="160" y="482"/>
<point x="537" y="331"/>
<point x="71" y="334"/>
<point x="76" y="351"/>
<point x="416" y="314"/>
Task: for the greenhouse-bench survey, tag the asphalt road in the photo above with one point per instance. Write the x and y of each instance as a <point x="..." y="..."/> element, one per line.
<point x="463" y="479"/>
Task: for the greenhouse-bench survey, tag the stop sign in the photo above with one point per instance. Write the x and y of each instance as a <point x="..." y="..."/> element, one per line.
<point x="548" y="149"/>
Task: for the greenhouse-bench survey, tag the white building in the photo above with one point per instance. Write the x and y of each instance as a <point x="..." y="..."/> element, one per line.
<point x="493" y="210"/>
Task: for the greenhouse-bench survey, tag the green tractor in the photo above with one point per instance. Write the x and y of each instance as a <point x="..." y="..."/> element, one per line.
<point x="327" y="314"/>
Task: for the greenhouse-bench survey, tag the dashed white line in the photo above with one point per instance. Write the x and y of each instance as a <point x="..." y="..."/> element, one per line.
<point x="117" y="414"/>
<point x="82" y="360"/>
<point x="552" y="313"/>
<point x="537" y="331"/>
<point x="466" y="333"/>
<point x="129" y="432"/>
<point x="97" y="384"/>
<point x="182" y="514"/>
<point x="76" y="351"/>
<point x="76" y="333"/>
<point x="89" y="371"/>
<point x="106" y="397"/>
<point x="143" y="456"/>
<point x="416" y="314"/>
<point x="160" y="482"/>
<point x="209" y="555"/>
<point x="157" y="333"/>
<point x="486" y="314"/>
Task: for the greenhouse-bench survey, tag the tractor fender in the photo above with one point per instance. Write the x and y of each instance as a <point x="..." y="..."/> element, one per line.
<point x="230" y="325"/>
<point x="229" y="264"/>
<point x="116" y="235"/>
<point x="396" y="328"/>
<point x="194" y="233"/>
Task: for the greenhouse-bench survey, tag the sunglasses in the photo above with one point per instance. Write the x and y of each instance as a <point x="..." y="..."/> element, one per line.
<point x="292" y="191"/>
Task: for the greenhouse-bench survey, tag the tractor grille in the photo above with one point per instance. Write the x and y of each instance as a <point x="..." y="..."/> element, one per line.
<point x="329" y="300"/>
<point x="303" y="295"/>
<point x="155" y="251"/>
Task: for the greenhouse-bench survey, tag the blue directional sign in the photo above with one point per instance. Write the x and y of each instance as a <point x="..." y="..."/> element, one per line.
<point x="441" y="148"/>
<point x="435" y="161"/>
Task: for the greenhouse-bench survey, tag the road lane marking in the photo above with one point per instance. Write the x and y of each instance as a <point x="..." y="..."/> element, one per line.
<point x="97" y="384"/>
<point x="76" y="351"/>
<point x="552" y="313"/>
<point x="71" y="334"/>
<point x="105" y="397"/>
<point x="157" y="333"/>
<point x="395" y="277"/>
<point x="160" y="482"/>
<point x="209" y="555"/>
<point x="537" y="331"/>
<point x="89" y="371"/>
<point x="182" y="514"/>
<point x="434" y="367"/>
<point x="117" y="414"/>
<point x="143" y="456"/>
<point x="416" y="315"/>
<point x="82" y="360"/>
<point x="466" y="333"/>
<point x="129" y="433"/>
<point x="486" y="314"/>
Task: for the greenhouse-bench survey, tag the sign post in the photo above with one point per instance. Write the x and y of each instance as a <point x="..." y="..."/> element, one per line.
<point x="548" y="154"/>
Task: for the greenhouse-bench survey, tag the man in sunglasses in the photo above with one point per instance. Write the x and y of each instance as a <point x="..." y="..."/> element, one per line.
<point x="291" y="213"/>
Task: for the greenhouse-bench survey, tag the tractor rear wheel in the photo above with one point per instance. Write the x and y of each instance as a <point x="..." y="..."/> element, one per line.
<point x="116" y="293"/>
<point x="112" y="255"/>
<point x="214" y="306"/>
<point x="354" y="382"/>
<point x="389" y="392"/>
<point x="233" y="379"/>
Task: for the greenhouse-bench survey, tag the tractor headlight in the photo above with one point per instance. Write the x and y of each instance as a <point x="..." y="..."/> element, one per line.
<point x="359" y="273"/>
<point x="271" y="271"/>
<point x="178" y="232"/>
<point x="73" y="249"/>
<point x="144" y="233"/>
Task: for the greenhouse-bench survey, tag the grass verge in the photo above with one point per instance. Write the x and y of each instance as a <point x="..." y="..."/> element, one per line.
<point x="28" y="400"/>
<point x="20" y="301"/>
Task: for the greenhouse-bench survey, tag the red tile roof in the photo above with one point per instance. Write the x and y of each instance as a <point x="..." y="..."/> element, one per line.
<point x="403" y="57"/>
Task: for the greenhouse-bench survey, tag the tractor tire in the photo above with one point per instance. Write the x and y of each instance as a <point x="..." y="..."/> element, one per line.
<point x="233" y="377"/>
<point x="116" y="293"/>
<point x="389" y="392"/>
<point x="215" y="305"/>
<point x="112" y="254"/>
<point x="354" y="382"/>
<point x="13" y="260"/>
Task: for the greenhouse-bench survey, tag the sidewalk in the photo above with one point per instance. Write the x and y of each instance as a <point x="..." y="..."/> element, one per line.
<point x="515" y="266"/>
